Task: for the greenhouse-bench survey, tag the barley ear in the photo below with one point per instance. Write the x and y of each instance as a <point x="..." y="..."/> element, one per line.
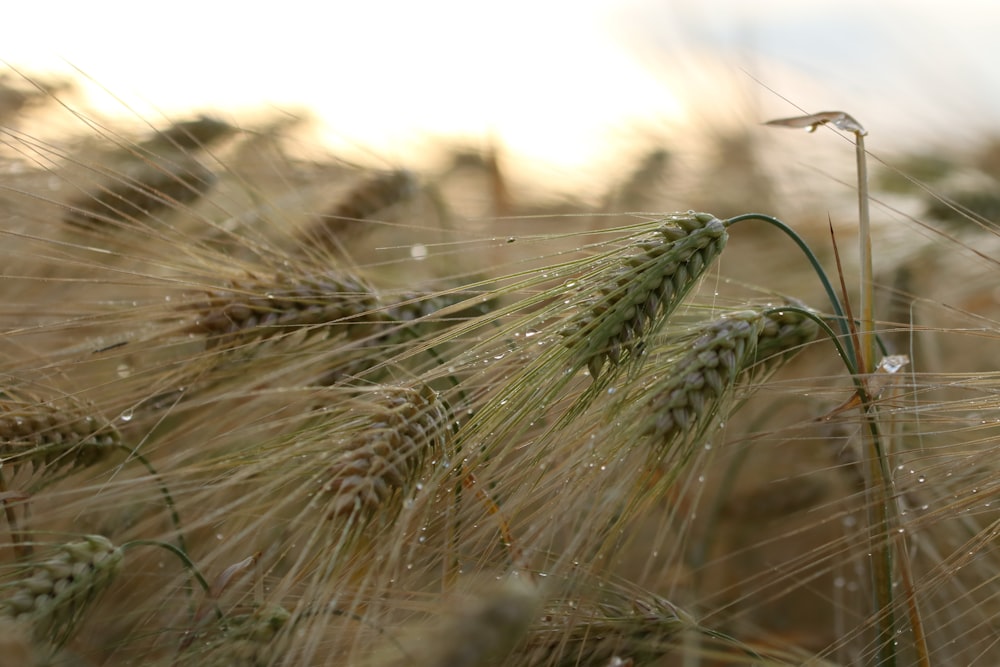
<point x="52" y="433"/>
<point x="255" y="308"/>
<point x="246" y="639"/>
<point x="381" y="464"/>
<point x="57" y="592"/>
<point x="636" y="293"/>
<point x="724" y="355"/>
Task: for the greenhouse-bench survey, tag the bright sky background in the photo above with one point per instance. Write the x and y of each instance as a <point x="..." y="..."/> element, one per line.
<point x="561" y="84"/>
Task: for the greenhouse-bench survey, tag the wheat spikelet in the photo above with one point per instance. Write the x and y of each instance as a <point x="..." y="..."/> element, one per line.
<point x="52" y="433"/>
<point x="635" y="294"/>
<point x="57" y="592"/>
<point x="381" y="464"/>
<point x="187" y="135"/>
<point x="698" y="383"/>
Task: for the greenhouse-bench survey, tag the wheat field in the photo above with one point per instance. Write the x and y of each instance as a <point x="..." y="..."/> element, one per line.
<point x="261" y="407"/>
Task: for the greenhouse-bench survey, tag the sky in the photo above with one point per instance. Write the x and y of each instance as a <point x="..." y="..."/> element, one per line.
<point x="561" y="85"/>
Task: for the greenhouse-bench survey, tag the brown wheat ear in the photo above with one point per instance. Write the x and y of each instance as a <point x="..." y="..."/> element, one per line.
<point x="257" y="309"/>
<point x="142" y="192"/>
<point x="373" y="195"/>
<point x="246" y="639"/>
<point x="641" y="629"/>
<point x="52" y="433"/>
<point x="382" y="463"/>
<point x="55" y="595"/>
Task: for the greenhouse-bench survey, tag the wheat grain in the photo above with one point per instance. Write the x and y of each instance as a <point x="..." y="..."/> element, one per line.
<point x="52" y="433"/>
<point x="55" y="595"/>
<point x="382" y="463"/>
<point x="636" y="293"/>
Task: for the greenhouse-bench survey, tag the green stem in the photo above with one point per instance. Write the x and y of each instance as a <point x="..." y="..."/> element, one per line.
<point x="831" y="294"/>
<point x="184" y="558"/>
<point x="167" y="498"/>
<point x="867" y="332"/>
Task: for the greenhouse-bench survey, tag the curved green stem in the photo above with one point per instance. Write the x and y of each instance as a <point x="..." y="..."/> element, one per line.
<point x="167" y="498"/>
<point x="181" y="554"/>
<point x="811" y="256"/>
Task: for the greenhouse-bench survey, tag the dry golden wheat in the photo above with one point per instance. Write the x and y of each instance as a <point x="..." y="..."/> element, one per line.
<point x="346" y="219"/>
<point x="383" y="462"/>
<point x="56" y="432"/>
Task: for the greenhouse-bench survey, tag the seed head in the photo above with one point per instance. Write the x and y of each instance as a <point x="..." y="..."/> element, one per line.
<point x="54" y="596"/>
<point x="52" y="433"/>
<point x="638" y="291"/>
<point x="382" y="462"/>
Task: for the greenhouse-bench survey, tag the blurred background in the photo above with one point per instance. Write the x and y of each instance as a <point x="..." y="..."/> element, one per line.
<point x="567" y="89"/>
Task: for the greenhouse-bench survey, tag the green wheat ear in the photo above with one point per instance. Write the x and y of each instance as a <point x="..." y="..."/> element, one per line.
<point x="635" y="293"/>
<point x="55" y="595"/>
<point x="697" y="385"/>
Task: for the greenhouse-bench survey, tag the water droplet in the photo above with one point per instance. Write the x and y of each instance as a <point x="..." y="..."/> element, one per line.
<point x="893" y="363"/>
<point x="127" y="415"/>
<point x="530" y="332"/>
<point x="511" y="239"/>
<point x="418" y="251"/>
<point x="123" y="370"/>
